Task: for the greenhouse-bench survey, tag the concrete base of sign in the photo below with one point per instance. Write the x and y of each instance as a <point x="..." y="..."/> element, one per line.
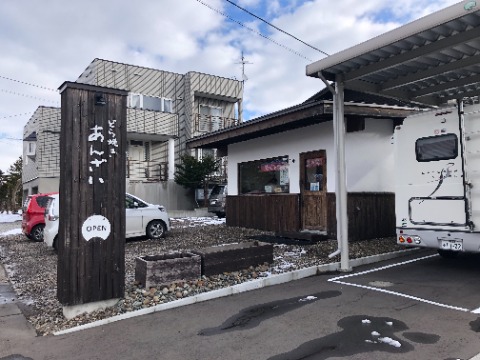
<point x="71" y="311"/>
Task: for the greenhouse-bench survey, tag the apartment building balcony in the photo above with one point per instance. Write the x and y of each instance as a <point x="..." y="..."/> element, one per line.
<point x="209" y="123"/>
<point x="161" y="124"/>
<point x="147" y="171"/>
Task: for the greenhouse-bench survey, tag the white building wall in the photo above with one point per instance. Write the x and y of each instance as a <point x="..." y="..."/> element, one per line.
<point x="369" y="155"/>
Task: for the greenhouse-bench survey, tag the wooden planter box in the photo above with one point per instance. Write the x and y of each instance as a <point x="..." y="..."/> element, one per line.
<point x="155" y="270"/>
<point x="234" y="257"/>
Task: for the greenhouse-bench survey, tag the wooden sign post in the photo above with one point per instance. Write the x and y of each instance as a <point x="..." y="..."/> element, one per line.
<point x="91" y="237"/>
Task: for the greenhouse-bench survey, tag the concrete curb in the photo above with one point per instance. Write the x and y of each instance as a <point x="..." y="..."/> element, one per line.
<point x="240" y="288"/>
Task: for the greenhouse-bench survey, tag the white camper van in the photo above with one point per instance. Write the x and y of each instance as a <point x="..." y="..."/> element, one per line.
<point x="437" y="194"/>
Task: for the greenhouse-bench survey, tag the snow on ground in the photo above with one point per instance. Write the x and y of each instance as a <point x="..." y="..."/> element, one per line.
<point x="9" y="217"/>
<point x="196" y="221"/>
<point x="12" y="232"/>
<point x="176" y="222"/>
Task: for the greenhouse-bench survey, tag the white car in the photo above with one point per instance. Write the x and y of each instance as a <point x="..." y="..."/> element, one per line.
<point x="141" y="217"/>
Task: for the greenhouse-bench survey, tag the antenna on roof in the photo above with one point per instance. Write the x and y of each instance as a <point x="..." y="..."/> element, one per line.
<point x="243" y="62"/>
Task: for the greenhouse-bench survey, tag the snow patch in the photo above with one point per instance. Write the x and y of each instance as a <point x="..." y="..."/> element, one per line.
<point x="390" y="341"/>
<point x="6" y="217"/>
<point x="11" y="232"/>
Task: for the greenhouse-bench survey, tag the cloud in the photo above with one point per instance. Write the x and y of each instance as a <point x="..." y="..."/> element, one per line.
<point x="48" y="42"/>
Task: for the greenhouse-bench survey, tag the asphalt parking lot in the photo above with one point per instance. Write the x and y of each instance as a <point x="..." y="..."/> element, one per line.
<point x="418" y="306"/>
<point x="447" y="283"/>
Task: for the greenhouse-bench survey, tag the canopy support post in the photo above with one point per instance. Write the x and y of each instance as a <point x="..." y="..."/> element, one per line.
<point x="340" y="172"/>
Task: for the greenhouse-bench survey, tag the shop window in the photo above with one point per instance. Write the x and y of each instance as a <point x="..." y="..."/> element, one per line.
<point x="314" y="174"/>
<point x="267" y="176"/>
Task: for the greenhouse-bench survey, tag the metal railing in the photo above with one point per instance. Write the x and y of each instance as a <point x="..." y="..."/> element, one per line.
<point x="152" y="122"/>
<point x="209" y="123"/>
<point x="147" y="170"/>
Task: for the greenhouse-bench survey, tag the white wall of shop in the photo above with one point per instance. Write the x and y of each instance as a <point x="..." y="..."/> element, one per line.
<point x="369" y="155"/>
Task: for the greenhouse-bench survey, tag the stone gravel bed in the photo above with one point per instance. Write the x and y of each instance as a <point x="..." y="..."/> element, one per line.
<point x="31" y="268"/>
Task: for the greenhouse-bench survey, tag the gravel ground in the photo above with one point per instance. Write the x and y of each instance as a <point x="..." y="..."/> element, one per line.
<point x="31" y="268"/>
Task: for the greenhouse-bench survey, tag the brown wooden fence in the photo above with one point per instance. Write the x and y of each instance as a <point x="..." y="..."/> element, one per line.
<point x="370" y="215"/>
<point x="264" y="212"/>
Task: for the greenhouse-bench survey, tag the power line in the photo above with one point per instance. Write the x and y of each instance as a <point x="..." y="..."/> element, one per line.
<point x="10" y="116"/>
<point x="29" y="84"/>
<point x="277" y="28"/>
<point x="29" y="96"/>
<point x="254" y="31"/>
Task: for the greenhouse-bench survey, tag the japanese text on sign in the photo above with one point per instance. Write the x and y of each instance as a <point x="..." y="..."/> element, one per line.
<point x="98" y="158"/>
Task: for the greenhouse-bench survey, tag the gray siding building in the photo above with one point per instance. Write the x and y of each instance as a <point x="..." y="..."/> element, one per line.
<point x="164" y="110"/>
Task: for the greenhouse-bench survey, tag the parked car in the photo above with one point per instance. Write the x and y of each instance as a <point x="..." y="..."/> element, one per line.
<point x="33" y="212"/>
<point x="217" y="200"/>
<point x="142" y="219"/>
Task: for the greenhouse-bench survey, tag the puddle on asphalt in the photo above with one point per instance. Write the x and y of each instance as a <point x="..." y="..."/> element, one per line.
<point x="475" y="325"/>
<point x="360" y="334"/>
<point x="421" y="338"/>
<point x="254" y="315"/>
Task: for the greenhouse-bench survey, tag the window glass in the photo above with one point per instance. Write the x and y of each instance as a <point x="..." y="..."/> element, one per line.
<point x="210" y="118"/>
<point x="167" y="105"/>
<point x="42" y="201"/>
<point x="152" y="103"/>
<point x="434" y="148"/>
<point x="314" y="170"/>
<point x="131" y="202"/>
<point x="135" y="101"/>
<point x="264" y="176"/>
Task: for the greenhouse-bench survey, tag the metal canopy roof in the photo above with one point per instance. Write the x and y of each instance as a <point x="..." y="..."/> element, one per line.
<point x="430" y="60"/>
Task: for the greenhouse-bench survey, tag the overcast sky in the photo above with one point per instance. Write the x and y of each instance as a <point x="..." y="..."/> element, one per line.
<point x="46" y="42"/>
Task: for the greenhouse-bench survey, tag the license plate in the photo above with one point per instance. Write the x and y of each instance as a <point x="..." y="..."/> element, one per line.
<point x="453" y="245"/>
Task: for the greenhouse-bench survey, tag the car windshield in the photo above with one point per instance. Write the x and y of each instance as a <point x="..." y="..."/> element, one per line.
<point x="131" y="202"/>
<point x="217" y="189"/>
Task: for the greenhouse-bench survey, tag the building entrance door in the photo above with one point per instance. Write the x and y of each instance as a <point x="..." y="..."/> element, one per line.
<point x="313" y="190"/>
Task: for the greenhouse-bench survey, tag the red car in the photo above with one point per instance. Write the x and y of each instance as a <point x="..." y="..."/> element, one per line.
<point x="33" y="220"/>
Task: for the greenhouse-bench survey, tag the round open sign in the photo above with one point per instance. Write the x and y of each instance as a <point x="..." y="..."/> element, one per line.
<point x="96" y="226"/>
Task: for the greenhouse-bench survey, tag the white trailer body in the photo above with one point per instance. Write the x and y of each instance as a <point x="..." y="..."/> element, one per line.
<point x="437" y="175"/>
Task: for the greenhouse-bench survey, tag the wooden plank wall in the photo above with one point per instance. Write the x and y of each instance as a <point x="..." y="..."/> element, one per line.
<point x="370" y="215"/>
<point x="264" y="212"/>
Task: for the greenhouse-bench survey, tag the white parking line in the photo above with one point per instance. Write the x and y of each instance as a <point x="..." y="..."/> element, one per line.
<point x="383" y="267"/>
<point x="338" y="278"/>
